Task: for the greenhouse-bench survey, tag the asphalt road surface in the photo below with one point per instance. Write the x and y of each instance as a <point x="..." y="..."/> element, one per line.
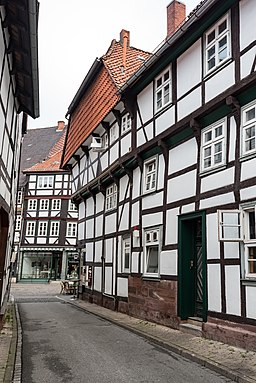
<point x="62" y="343"/>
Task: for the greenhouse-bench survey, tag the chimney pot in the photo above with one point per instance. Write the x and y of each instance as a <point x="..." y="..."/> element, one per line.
<point x="61" y="126"/>
<point x="176" y="15"/>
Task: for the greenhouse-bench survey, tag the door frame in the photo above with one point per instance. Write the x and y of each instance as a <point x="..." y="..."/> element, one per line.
<point x="183" y="279"/>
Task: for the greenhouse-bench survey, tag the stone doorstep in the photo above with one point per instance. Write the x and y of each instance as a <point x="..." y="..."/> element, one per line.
<point x="193" y="326"/>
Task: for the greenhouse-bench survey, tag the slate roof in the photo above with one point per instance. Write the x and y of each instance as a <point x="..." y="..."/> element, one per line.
<point x="98" y="93"/>
<point x="38" y="145"/>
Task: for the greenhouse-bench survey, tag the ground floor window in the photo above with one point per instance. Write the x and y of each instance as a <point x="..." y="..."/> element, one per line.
<point x="151" y="251"/>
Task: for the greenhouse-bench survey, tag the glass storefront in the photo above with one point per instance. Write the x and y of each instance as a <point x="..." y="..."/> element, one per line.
<point x="40" y="265"/>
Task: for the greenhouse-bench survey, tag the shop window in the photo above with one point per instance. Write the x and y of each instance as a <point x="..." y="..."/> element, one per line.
<point x="111" y="197"/>
<point x="217" y="44"/>
<point x="150" y="175"/>
<point x="151" y="251"/>
<point x="163" y="89"/>
<point x="42" y="229"/>
<point x="126" y="250"/>
<point x="30" y="228"/>
<point x="248" y="129"/>
<point x="45" y="182"/>
<point x="32" y="204"/>
<point x="56" y="204"/>
<point x="213" y="146"/>
<point x="44" y="204"/>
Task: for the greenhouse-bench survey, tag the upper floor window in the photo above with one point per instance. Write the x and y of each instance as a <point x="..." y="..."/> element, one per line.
<point x="42" y="228"/>
<point x="18" y="222"/>
<point x="44" y="204"/>
<point x="163" y="89"/>
<point x="150" y="173"/>
<point x="19" y="197"/>
<point x="56" y="203"/>
<point x="32" y="204"/>
<point x="111" y="197"/>
<point x="126" y="254"/>
<point x="55" y="227"/>
<point x="45" y="182"/>
<point x="126" y="123"/>
<point x="71" y="229"/>
<point x="213" y="146"/>
<point x="113" y="133"/>
<point x="71" y="206"/>
<point x="217" y="44"/>
<point x="30" y="229"/>
<point x="105" y="141"/>
<point x="151" y="251"/>
<point x="248" y="129"/>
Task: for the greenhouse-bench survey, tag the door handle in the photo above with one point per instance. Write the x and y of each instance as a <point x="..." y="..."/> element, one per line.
<point x="191" y="264"/>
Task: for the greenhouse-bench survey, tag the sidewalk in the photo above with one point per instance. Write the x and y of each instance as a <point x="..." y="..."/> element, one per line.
<point x="234" y="363"/>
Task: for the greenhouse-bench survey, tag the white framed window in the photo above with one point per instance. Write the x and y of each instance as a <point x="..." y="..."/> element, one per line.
<point x="30" y="228"/>
<point x="113" y="133"/>
<point x="151" y="251"/>
<point x="163" y="94"/>
<point x="217" y="44"/>
<point x="248" y="129"/>
<point x="111" y="197"/>
<point x="55" y="228"/>
<point x="32" y="204"/>
<point x="42" y="228"/>
<point x="45" y="182"/>
<point x="18" y="222"/>
<point x="56" y="204"/>
<point x="105" y="141"/>
<point x="44" y="204"/>
<point x="71" y="206"/>
<point x="213" y="146"/>
<point x="126" y="250"/>
<point x="230" y="225"/>
<point x="71" y="229"/>
<point x="150" y="175"/>
<point x="249" y="214"/>
<point x="19" y="197"/>
<point x="126" y="123"/>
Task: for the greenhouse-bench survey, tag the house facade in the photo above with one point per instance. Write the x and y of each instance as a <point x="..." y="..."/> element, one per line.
<point x="167" y="208"/>
<point x="19" y="97"/>
<point x="46" y="221"/>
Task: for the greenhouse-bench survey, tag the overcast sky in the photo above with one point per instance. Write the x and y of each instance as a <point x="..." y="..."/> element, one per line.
<point x="73" y="33"/>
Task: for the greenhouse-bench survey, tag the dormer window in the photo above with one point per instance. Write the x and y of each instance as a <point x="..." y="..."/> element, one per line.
<point x="163" y="89"/>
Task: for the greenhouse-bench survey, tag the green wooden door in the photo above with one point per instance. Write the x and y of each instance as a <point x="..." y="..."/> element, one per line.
<point x="192" y="266"/>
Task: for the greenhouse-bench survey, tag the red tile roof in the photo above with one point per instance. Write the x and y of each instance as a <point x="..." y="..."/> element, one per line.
<point x="101" y="94"/>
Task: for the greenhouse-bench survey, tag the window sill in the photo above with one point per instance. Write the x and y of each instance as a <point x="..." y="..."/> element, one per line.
<point x="217" y="69"/>
<point x="205" y="173"/>
<point x="249" y="281"/>
<point x="163" y="109"/>
<point x="151" y="278"/>
<point x="246" y="157"/>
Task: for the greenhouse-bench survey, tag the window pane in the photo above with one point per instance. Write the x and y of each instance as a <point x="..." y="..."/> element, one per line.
<point x="223" y="49"/>
<point x="231" y="232"/>
<point x="252" y="259"/>
<point x="159" y="82"/>
<point x="218" y="131"/>
<point x="210" y="37"/>
<point x="152" y="259"/>
<point x="222" y="27"/>
<point x="252" y="225"/>
<point x="166" y="94"/>
<point x="250" y="114"/>
<point x="211" y="58"/>
<point x="159" y="100"/>
<point x="166" y="76"/>
<point x="208" y="136"/>
<point x="230" y="218"/>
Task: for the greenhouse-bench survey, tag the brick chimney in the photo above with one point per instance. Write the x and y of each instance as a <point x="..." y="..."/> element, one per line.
<point x="125" y="41"/>
<point x="61" y="126"/>
<point x="176" y="14"/>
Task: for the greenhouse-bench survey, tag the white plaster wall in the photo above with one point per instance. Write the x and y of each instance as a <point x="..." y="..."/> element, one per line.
<point x="75" y="171"/>
<point x="99" y="202"/>
<point x="90" y="174"/>
<point x="190" y="103"/>
<point x="5" y="84"/>
<point x="247" y="22"/>
<point x="247" y="62"/>
<point x="145" y="102"/>
<point x="248" y="193"/>
<point x="32" y="178"/>
<point x="169" y="262"/>
<point x="179" y="161"/>
<point x="248" y="169"/>
<point x="119" y="254"/>
<point x="104" y="161"/>
<point x="97" y="278"/>
<point x="89" y="207"/>
<point x="141" y="139"/>
<point x="80" y="232"/>
<point x="160" y="172"/>
<point x="126" y="144"/>
<point x="232" y="250"/>
<point x="217" y="180"/>
<point x="114" y="153"/>
<point x="187" y="78"/>
<point x="41" y="240"/>
<point x="152" y="200"/>
<point x="110" y="223"/>
<point x="98" y="251"/>
<point x="188" y="208"/>
<point x="109" y="249"/>
<point x="149" y="131"/>
<point x="214" y="288"/>
<point x="135" y="214"/>
<point x="99" y="226"/>
<point x="233" y="296"/>
<point x="180" y="187"/>
<point x="89" y="252"/>
<point x="123" y="188"/>
<point x="165" y="120"/>
<point x="232" y="144"/>
<point x="152" y="220"/>
<point x="171" y="233"/>
<point x="218" y="200"/>
<point x="135" y="262"/>
<point x="213" y="245"/>
<point x="220" y="82"/>
<point x="108" y="280"/>
<point x="250" y="301"/>
<point x="122" y="287"/>
<point x="90" y="228"/>
<point x="124" y="221"/>
<point x="136" y="183"/>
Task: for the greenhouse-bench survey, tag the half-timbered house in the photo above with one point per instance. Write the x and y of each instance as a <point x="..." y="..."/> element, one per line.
<point x="19" y="97"/>
<point x="167" y="209"/>
<point x="46" y="221"/>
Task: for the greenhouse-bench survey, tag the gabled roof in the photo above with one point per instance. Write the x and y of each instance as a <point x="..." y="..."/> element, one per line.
<point x="37" y="145"/>
<point x="98" y="93"/>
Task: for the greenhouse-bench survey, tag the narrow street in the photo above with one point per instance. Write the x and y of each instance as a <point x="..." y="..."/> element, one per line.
<point x="62" y="343"/>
